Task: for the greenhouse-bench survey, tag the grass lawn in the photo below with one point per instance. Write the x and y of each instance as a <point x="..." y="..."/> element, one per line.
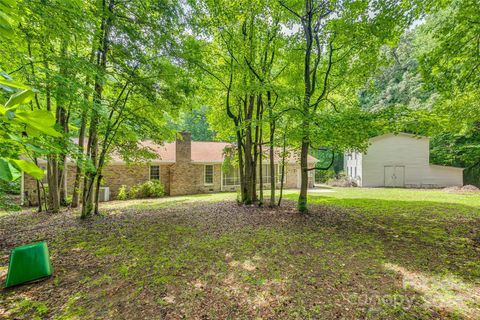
<point x="359" y="253"/>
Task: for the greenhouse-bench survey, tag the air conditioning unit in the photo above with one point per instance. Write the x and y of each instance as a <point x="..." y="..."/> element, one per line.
<point x="104" y="194"/>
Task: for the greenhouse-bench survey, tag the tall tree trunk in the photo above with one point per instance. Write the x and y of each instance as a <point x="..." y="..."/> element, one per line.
<point x="248" y="145"/>
<point x="62" y="122"/>
<point x="78" y="172"/>
<point x="271" y="150"/>
<point x="302" y="199"/>
<point x="96" y="198"/>
<point x="81" y="140"/>
<point x="39" y="194"/>
<point x="282" y="175"/>
<point x="53" y="202"/>
<point x="92" y="147"/>
<point x="307" y="26"/>
<point x="259" y="140"/>
<point x="241" y="168"/>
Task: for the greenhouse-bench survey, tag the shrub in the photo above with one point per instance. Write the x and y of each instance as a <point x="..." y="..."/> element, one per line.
<point x="122" y="193"/>
<point x="151" y="189"/>
<point x="342" y="182"/>
<point x="8" y="203"/>
<point x="8" y="191"/>
<point x="323" y="176"/>
<point x="148" y="189"/>
<point x="133" y="192"/>
<point x="239" y="196"/>
<point x="10" y="187"/>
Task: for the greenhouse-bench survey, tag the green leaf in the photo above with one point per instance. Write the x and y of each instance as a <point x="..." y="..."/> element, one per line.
<point x="36" y="149"/>
<point x="7" y="171"/>
<point x="39" y="120"/>
<point x="13" y="84"/>
<point x="6" y="29"/>
<point x="29" y="168"/>
<point x="31" y="132"/>
<point x="19" y="98"/>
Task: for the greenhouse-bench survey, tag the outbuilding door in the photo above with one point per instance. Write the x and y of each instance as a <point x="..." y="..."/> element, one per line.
<point x="394" y="176"/>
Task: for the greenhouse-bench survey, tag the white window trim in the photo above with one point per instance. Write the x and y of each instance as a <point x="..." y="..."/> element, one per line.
<point x="150" y="172"/>
<point x="205" y="183"/>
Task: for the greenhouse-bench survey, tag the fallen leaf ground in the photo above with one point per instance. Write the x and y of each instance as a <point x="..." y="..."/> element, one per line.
<point x="360" y="253"/>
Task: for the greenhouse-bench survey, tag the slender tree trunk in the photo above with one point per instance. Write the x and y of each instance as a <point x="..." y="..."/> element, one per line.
<point x="97" y="193"/>
<point x="302" y="199"/>
<point x="81" y="140"/>
<point x="39" y="194"/>
<point x="259" y="138"/>
<point x="92" y="147"/>
<point x="307" y="26"/>
<point x="260" y="168"/>
<point x="45" y="196"/>
<point x="248" y="145"/>
<point x="62" y="170"/>
<point x="62" y="122"/>
<point x="284" y="154"/>
<point x="241" y="168"/>
<point x="272" y="165"/>
<point x="78" y="172"/>
<point x="271" y="150"/>
<point x="53" y="202"/>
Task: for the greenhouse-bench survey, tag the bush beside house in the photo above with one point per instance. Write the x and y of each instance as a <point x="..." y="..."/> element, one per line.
<point x="148" y="189"/>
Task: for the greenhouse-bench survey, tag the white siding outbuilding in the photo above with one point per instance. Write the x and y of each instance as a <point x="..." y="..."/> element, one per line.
<point x="399" y="160"/>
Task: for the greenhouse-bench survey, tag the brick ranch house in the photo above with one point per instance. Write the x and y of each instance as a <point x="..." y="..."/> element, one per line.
<point x="184" y="167"/>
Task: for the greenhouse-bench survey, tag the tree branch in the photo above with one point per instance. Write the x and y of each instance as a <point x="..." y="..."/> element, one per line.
<point x="290" y="10"/>
<point x="325" y="79"/>
<point x="253" y="70"/>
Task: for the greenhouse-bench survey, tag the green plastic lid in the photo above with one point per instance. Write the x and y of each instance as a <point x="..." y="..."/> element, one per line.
<point x="28" y="263"/>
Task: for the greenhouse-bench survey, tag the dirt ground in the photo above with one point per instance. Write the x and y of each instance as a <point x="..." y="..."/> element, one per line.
<point x="217" y="260"/>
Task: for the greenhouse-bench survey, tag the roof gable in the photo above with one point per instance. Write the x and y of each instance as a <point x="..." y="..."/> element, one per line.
<point x="399" y="134"/>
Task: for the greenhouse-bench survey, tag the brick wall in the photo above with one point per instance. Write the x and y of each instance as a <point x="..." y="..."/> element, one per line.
<point x="71" y="170"/>
<point x="181" y="178"/>
<point x="116" y="175"/>
<point x="29" y="190"/>
<point x="187" y="177"/>
<point x="291" y="173"/>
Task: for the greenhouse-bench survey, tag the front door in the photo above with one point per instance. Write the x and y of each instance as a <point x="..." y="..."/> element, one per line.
<point x="394" y="176"/>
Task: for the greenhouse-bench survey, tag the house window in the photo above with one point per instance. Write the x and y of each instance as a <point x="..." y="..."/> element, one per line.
<point x="209" y="174"/>
<point x="231" y="177"/>
<point x="355" y="172"/>
<point x="154" y="172"/>
<point x="265" y="173"/>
